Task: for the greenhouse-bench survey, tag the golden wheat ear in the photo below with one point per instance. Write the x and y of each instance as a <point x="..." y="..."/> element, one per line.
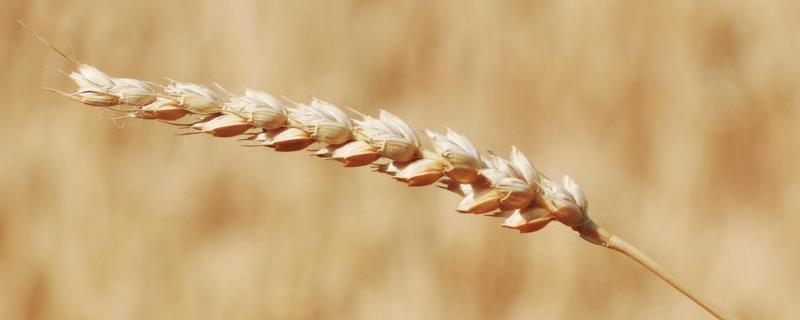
<point x="512" y="189"/>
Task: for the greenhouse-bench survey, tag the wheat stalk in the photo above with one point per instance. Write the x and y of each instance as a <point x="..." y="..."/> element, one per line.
<point x="490" y="185"/>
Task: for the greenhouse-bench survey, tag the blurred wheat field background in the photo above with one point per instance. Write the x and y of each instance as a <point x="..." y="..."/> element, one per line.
<point x="678" y="118"/>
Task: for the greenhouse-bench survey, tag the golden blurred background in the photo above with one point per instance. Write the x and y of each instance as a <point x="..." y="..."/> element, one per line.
<point x="678" y="118"/>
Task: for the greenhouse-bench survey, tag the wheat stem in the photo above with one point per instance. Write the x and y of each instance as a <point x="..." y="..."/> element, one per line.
<point x="593" y="233"/>
<point x="616" y="243"/>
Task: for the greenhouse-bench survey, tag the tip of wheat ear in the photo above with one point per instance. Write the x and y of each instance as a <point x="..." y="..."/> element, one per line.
<point x="490" y="184"/>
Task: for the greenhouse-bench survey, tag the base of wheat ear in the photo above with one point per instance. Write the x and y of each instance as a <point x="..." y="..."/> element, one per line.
<point x="490" y="185"/>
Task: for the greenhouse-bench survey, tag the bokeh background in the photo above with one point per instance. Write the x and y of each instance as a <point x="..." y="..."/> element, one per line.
<point x="678" y="118"/>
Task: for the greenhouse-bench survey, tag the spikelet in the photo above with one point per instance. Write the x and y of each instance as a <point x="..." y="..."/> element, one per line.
<point x="195" y="98"/>
<point x="93" y="98"/>
<point x="224" y="126"/>
<point x="507" y="179"/>
<point x="161" y="109"/>
<point x="482" y="200"/>
<point x="325" y="122"/>
<point x="463" y="159"/>
<point x="570" y="204"/>
<point x="88" y="77"/>
<point x="393" y="138"/>
<point x="93" y="87"/>
<point x="354" y="154"/>
<point x="259" y="109"/>
<point x="288" y="139"/>
<point x="528" y="220"/>
<point x="422" y="172"/>
<point x="133" y="92"/>
<point x="525" y="168"/>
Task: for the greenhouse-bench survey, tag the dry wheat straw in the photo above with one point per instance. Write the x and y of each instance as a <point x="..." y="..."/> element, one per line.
<point x="490" y="185"/>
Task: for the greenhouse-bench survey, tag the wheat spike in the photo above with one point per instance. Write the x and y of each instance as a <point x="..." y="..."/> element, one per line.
<point x="489" y="184"/>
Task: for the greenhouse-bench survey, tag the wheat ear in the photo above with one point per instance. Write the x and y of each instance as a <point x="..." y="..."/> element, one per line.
<point x="490" y="185"/>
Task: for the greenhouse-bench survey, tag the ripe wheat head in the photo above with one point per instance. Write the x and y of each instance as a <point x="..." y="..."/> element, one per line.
<point x="491" y="185"/>
<point x="511" y="189"/>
